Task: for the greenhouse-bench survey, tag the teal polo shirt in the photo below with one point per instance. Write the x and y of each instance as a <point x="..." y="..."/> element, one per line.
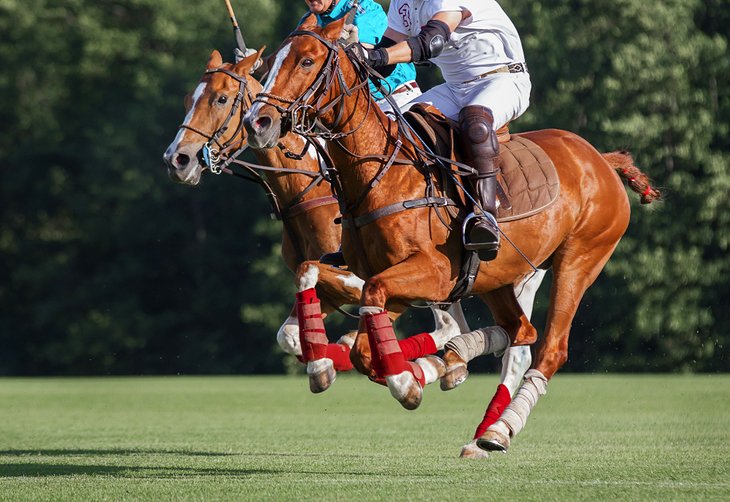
<point x="371" y="21"/>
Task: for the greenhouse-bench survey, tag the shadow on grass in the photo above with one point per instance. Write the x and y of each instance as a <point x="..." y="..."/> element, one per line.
<point x="171" y="472"/>
<point x="111" y="451"/>
<point x="122" y="471"/>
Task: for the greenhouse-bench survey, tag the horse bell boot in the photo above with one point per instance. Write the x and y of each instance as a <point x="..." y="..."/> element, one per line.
<point x="481" y="232"/>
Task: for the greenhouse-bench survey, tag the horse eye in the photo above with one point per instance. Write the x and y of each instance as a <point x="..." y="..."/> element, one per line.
<point x="307" y="62"/>
<point x="222" y="100"/>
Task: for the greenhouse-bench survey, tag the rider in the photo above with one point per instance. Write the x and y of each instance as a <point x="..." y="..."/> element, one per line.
<point x="479" y="53"/>
<point x="371" y="21"/>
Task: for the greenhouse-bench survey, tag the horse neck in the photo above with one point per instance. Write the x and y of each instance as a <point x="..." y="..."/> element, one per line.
<point x="370" y="132"/>
<point x="288" y="186"/>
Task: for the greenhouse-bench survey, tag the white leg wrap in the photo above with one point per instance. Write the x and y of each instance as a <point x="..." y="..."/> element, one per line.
<point x="308" y="279"/>
<point x="288" y="337"/>
<point x="515" y="362"/>
<point x="446" y="327"/>
<point x="515" y="416"/>
<point x="478" y="342"/>
<point x="431" y="372"/>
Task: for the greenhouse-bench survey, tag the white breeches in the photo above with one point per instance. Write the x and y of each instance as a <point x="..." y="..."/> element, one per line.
<point x="404" y="94"/>
<point x="506" y="94"/>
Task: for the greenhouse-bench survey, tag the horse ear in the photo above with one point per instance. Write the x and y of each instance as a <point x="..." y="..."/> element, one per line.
<point x="215" y="60"/>
<point x="333" y="30"/>
<point x="249" y="63"/>
<point x="310" y="21"/>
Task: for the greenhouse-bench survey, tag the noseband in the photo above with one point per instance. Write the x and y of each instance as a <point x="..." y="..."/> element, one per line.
<point x="212" y="155"/>
<point x="302" y="116"/>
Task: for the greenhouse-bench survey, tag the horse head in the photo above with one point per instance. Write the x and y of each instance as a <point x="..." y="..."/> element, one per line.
<point x="304" y="85"/>
<point x="212" y="127"/>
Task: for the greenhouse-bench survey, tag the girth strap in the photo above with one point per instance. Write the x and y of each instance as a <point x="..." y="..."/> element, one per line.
<point x="370" y="217"/>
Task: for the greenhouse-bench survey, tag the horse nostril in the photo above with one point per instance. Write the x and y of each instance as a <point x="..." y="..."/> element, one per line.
<point x="263" y="123"/>
<point x="182" y="160"/>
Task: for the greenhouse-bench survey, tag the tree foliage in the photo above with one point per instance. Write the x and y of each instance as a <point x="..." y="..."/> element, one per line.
<point x="107" y="267"/>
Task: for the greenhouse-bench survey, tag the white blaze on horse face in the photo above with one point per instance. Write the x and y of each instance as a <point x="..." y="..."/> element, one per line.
<point x="271" y="80"/>
<point x="181" y="133"/>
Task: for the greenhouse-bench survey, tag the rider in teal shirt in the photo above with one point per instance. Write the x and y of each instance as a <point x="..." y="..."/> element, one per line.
<point x="371" y="21"/>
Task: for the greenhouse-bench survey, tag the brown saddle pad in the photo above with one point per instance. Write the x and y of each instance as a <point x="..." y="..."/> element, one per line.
<point x="527" y="177"/>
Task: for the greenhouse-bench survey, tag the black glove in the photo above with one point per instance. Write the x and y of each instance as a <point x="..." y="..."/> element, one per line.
<point x="375" y="58"/>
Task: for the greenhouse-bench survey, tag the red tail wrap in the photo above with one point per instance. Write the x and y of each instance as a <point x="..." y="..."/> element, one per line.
<point x="340" y="355"/>
<point x="384" y="343"/>
<point x="312" y="334"/>
<point x="496" y="406"/>
<point x="417" y="346"/>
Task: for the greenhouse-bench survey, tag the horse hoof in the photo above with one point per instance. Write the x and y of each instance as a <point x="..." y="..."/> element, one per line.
<point x="471" y="450"/>
<point x="493" y="440"/>
<point x="406" y="389"/>
<point x="321" y="375"/>
<point x="455" y="375"/>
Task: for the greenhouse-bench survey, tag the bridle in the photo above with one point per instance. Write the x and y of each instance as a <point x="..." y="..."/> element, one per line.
<point x="216" y="158"/>
<point x="305" y="112"/>
<point x="212" y="155"/>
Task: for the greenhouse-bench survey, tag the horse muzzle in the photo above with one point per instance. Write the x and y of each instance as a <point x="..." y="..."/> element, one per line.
<point x="263" y="128"/>
<point x="183" y="165"/>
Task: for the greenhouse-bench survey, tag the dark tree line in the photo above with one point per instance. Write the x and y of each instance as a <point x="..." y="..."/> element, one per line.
<point x="107" y="267"/>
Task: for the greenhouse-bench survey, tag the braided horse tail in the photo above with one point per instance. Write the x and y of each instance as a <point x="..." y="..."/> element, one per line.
<point x="639" y="182"/>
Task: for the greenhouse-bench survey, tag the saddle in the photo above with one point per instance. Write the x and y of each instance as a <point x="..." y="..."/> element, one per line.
<point x="527" y="181"/>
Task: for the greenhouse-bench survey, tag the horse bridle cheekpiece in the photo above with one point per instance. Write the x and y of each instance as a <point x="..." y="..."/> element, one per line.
<point x="303" y="116"/>
<point x="212" y="154"/>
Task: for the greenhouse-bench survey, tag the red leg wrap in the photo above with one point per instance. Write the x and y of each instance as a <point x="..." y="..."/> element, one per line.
<point x="496" y="406"/>
<point x="417" y="346"/>
<point x="340" y="355"/>
<point x="417" y="373"/>
<point x="384" y="344"/>
<point x="312" y="335"/>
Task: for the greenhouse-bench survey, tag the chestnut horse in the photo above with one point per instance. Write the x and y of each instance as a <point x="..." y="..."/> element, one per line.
<point x="308" y="217"/>
<point x="306" y="204"/>
<point x="414" y="254"/>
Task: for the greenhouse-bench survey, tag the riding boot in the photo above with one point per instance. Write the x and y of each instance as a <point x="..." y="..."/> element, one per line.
<point x="481" y="232"/>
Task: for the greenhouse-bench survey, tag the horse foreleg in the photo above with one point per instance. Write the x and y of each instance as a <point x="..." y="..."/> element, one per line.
<point x="576" y="266"/>
<point x="409" y="280"/>
<point x="323" y="359"/>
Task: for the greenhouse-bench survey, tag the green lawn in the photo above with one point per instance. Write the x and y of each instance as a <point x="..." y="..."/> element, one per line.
<point x="253" y="438"/>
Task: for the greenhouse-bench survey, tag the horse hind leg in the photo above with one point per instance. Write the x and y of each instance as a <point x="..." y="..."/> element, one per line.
<point x="515" y="362"/>
<point x="575" y="267"/>
<point x="512" y="327"/>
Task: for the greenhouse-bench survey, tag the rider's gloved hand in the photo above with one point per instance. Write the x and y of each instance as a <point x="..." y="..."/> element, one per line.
<point x="240" y="55"/>
<point x="375" y="58"/>
<point x="349" y="35"/>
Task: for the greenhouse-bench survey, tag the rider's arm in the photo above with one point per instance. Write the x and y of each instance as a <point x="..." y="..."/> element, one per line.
<point x="402" y="52"/>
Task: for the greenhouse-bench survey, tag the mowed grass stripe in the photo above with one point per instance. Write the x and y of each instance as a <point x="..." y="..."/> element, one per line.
<point x="268" y="438"/>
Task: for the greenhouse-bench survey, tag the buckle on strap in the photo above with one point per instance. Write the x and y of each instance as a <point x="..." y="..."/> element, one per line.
<point x="510" y="68"/>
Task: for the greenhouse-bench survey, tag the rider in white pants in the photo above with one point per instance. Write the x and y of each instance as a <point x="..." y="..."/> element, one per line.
<point x="479" y="52"/>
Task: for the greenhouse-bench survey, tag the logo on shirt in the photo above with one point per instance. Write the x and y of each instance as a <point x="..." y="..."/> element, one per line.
<point x="405" y="15"/>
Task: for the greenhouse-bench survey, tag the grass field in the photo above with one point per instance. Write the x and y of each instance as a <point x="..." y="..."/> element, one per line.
<point x="254" y="438"/>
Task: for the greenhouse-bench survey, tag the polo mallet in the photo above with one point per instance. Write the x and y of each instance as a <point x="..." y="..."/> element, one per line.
<point x="241" y="50"/>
